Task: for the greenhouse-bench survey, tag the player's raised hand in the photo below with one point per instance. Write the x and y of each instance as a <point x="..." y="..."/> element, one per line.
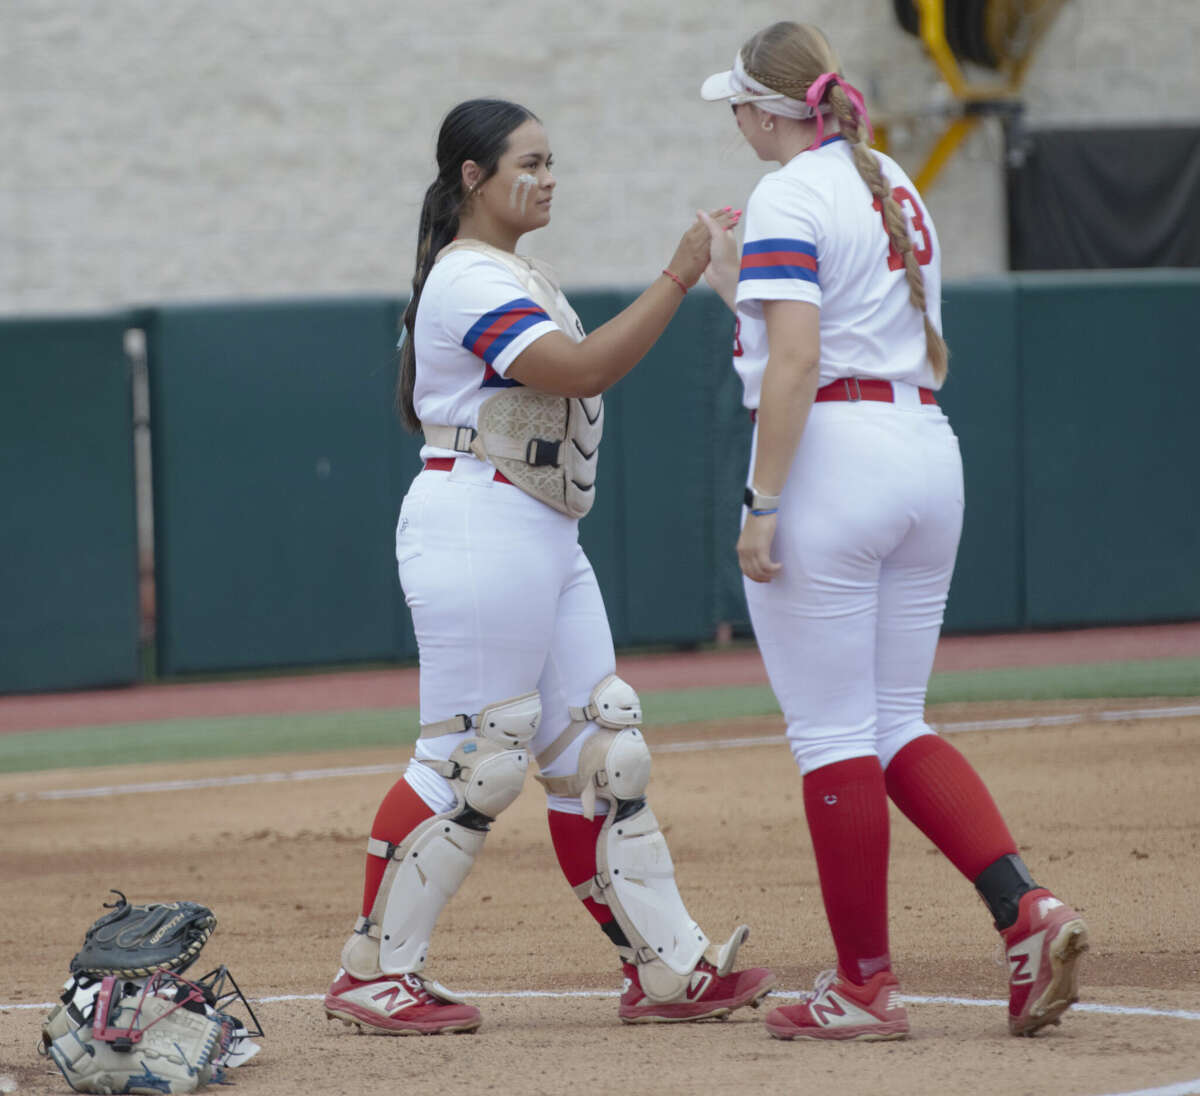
<point x="692" y="255"/>
<point x="725" y="255"/>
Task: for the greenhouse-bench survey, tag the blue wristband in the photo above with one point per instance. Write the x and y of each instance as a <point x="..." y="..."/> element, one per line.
<point x="764" y="513"/>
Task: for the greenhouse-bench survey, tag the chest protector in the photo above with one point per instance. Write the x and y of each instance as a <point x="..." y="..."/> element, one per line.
<point x="546" y="445"/>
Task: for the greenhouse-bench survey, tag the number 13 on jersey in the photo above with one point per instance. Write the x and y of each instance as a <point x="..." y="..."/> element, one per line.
<point x="922" y="243"/>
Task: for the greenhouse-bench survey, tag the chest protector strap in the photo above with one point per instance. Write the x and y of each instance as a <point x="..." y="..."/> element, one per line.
<point x="546" y="445"/>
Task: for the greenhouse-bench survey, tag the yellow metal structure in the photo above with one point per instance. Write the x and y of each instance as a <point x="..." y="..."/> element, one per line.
<point x="951" y="138"/>
<point x="1014" y="28"/>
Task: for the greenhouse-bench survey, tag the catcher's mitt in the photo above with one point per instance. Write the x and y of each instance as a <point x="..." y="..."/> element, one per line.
<point x="135" y="941"/>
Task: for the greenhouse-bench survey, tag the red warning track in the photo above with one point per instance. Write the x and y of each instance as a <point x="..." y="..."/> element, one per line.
<point x="739" y="665"/>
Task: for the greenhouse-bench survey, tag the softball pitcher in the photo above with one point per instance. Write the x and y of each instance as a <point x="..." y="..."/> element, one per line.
<point x="516" y="655"/>
<point x="853" y="513"/>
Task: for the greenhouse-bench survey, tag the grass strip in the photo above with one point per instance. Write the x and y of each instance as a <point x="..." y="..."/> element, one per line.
<point x="1090" y="681"/>
<point x="254" y="736"/>
<point x="194" y="739"/>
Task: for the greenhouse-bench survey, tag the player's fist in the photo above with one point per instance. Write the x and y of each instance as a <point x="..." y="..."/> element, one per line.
<point x="754" y="548"/>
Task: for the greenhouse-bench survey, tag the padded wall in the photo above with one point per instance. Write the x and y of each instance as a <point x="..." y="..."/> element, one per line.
<point x="1112" y="450"/>
<point x="68" y="534"/>
<point x="278" y="469"/>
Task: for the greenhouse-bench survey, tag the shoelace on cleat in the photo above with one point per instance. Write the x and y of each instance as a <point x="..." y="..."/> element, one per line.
<point x="420" y="991"/>
<point x="824" y="980"/>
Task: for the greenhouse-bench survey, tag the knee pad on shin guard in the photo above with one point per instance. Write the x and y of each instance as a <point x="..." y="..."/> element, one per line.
<point x="635" y="875"/>
<point x="613" y="705"/>
<point x="486" y="772"/>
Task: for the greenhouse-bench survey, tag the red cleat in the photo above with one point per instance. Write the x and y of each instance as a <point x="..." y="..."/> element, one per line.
<point x="398" y="1004"/>
<point x="708" y="996"/>
<point x="1043" y="948"/>
<point x="838" y="1009"/>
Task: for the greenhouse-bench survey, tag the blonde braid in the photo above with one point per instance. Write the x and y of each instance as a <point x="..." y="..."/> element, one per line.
<point x="775" y="83"/>
<point x="854" y="129"/>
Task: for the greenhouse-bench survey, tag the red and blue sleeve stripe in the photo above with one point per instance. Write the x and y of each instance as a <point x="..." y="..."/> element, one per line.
<point x="778" y="257"/>
<point x="495" y="330"/>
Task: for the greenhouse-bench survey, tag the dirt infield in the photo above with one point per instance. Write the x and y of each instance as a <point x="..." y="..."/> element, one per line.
<point x="1104" y="808"/>
<point x="1106" y="813"/>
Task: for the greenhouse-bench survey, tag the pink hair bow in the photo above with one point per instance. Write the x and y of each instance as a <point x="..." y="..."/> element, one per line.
<point x="816" y="93"/>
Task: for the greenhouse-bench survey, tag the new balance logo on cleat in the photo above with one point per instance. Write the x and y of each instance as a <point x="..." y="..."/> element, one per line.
<point x="697" y="984"/>
<point x="828" y="1010"/>
<point x="396" y="996"/>
<point x="1024" y="960"/>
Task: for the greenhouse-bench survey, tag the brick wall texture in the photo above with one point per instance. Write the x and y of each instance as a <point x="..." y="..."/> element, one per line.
<point x="155" y="150"/>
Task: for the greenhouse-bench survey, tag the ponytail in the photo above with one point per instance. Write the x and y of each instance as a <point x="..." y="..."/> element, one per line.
<point x="476" y="130"/>
<point x="438" y="226"/>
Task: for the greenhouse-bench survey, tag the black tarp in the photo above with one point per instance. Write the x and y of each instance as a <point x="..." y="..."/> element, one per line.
<point x="1086" y="199"/>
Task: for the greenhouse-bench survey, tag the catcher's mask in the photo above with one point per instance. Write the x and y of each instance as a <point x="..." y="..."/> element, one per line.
<point x="221" y="991"/>
<point x="216" y="990"/>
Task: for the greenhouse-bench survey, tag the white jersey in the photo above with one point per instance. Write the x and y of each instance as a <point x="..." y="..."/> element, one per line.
<point x="813" y="233"/>
<point x="473" y="320"/>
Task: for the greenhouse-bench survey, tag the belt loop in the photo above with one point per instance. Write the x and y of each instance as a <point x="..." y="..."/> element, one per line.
<point x="853" y="395"/>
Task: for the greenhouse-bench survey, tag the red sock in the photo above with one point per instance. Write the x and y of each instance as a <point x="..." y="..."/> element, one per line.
<point x="401" y="811"/>
<point x="846" y="805"/>
<point x="943" y="796"/>
<point x="574" y="839"/>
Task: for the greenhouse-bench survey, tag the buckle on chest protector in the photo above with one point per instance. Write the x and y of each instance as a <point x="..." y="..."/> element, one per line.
<point x="461" y="432"/>
<point x="541" y="453"/>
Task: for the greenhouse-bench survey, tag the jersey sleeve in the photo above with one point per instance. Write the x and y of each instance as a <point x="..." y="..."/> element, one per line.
<point x="489" y="312"/>
<point x="780" y="260"/>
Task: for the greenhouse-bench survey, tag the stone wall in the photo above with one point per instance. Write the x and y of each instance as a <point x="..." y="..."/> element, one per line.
<point x="156" y="150"/>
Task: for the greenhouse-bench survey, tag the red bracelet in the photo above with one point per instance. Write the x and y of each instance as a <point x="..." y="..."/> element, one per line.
<point x="677" y="280"/>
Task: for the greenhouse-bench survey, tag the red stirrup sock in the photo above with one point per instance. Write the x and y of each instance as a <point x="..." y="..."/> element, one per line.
<point x="942" y="795"/>
<point x="401" y="811"/>
<point x="574" y="839"/>
<point x="846" y="806"/>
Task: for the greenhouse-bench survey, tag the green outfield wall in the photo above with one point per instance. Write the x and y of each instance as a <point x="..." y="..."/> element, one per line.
<point x="278" y="470"/>
<point x="982" y="397"/>
<point x="1110" y="397"/>
<point x="279" y="465"/>
<point x="68" y="541"/>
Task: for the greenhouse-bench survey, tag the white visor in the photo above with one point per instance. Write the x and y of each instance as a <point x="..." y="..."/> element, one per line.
<point x="736" y="86"/>
<point x="719" y="86"/>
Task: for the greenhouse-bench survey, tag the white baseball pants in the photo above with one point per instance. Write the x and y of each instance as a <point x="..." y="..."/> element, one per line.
<point x="503" y="601"/>
<point x="868" y="529"/>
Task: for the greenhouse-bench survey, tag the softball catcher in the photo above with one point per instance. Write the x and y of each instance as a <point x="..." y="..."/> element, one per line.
<point x="516" y="654"/>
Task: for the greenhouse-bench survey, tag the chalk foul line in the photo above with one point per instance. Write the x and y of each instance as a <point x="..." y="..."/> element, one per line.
<point x="1011" y="724"/>
<point x="563" y="994"/>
